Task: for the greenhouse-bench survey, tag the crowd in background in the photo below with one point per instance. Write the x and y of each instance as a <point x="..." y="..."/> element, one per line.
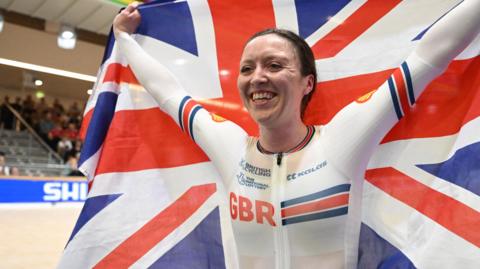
<point x="6" y="170"/>
<point x="56" y="125"/>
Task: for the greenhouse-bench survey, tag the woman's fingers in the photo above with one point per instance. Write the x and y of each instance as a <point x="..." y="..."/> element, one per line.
<point x="127" y="20"/>
<point x="132" y="7"/>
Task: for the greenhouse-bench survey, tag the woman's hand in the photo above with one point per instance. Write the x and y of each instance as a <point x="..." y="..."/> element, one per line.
<point x="127" y="20"/>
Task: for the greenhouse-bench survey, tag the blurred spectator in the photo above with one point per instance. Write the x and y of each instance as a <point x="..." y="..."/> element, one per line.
<point x="45" y="125"/>
<point x="4" y="169"/>
<point x="74" y="111"/>
<point x="64" y="146"/>
<point x="71" y="132"/>
<point x="15" y="171"/>
<point x="28" y="109"/>
<point x="57" y="107"/>
<point x="72" y="163"/>
<point x="18" y="108"/>
<point x="18" y="104"/>
<point x="6" y="116"/>
<point x="54" y="136"/>
<point x="75" y="151"/>
<point x="41" y="107"/>
<point x="64" y="120"/>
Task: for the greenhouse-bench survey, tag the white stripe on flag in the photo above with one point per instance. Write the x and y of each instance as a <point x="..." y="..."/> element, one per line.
<point x="426" y="243"/>
<point x="368" y="53"/>
<point x="427" y="151"/>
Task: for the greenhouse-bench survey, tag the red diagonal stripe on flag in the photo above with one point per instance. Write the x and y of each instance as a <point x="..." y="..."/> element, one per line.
<point x="144" y="145"/>
<point x="119" y="73"/>
<point x="138" y="244"/>
<point x="444" y="210"/>
<point x="87" y="117"/>
<point x="344" y="34"/>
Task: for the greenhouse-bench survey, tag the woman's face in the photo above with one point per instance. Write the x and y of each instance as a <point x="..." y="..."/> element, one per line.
<point x="270" y="82"/>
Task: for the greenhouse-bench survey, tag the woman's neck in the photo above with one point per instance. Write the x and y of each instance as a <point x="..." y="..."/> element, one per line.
<point x="282" y="139"/>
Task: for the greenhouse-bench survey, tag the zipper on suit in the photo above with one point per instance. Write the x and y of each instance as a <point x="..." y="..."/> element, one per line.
<point x="282" y="248"/>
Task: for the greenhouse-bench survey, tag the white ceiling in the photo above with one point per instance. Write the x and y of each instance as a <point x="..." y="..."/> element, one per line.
<point x="16" y="42"/>
<point x="91" y="15"/>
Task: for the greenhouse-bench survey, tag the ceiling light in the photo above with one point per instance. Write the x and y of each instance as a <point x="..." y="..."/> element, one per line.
<point x="67" y="34"/>
<point x="48" y="70"/>
<point x="89" y="91"/>
<point x="1" y="23"/>
<point x="66" y="37"/>
<point x="38" y="82"/>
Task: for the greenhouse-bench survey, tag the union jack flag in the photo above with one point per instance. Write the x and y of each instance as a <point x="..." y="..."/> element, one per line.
<point x="156" y="201"/>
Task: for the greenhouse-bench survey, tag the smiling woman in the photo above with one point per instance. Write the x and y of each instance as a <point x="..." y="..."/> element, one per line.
<point x="272" y="85"/>
<point x="295" y="191"/>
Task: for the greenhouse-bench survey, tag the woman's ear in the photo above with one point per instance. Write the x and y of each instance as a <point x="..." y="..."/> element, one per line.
<point x="309" y="84"/>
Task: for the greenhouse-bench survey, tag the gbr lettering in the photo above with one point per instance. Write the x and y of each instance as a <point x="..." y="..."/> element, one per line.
<point x="242" y="208"/>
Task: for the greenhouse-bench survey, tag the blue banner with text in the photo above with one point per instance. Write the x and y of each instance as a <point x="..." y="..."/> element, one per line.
<point x="42" y="191"/>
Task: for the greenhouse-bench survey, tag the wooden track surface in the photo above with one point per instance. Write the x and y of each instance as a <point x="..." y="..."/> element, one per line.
<point x="33" y="236"/>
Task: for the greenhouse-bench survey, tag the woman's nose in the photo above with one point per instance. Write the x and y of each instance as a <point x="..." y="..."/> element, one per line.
<point x="258" y="76"/>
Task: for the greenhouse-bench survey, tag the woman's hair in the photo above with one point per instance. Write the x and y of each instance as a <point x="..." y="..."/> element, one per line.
<point x="305" y="56"/>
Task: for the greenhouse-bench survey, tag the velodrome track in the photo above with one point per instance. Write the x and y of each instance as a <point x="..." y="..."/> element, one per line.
<point x="33" y="234"/>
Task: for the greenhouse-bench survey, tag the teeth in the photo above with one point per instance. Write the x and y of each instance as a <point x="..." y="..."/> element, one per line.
<point x="262" y="95"/>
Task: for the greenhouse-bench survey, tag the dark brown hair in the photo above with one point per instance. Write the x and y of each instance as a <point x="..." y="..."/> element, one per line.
<point x="304" y="54"/>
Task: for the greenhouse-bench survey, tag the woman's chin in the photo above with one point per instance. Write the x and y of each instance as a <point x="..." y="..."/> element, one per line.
<point x="264" y="119"/>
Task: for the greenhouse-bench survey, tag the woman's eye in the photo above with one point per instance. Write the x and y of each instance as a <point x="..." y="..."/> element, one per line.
<point x="275" y="66"/>
<point x="245" y="69"/>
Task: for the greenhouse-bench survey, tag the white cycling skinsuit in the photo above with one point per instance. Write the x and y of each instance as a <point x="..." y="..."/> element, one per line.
<point x="298" y="209"/>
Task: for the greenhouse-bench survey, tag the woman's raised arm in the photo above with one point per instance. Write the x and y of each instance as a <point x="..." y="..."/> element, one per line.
<point x="362" y="125"/>
<point x="153" y="76"/>
<point x="451" y="34"/>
